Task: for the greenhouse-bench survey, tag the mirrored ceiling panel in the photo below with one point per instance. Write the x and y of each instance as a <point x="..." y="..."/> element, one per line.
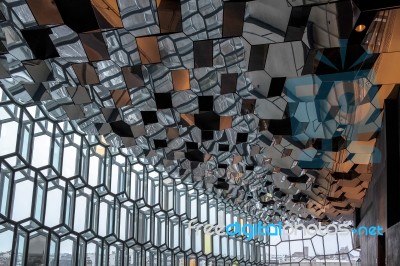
<point x="130" y="112"/>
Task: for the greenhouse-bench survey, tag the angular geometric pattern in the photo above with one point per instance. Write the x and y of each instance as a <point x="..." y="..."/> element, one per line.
<point x="256" y="118"/>
<point x="267" y="108"/>
<point x="70" y="199"/>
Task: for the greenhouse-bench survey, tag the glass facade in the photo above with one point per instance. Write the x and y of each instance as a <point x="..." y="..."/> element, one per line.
<point x="70" y="199"/>
<point x="131" y="130"/>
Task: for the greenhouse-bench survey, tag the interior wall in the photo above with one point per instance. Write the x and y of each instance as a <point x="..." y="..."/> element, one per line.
<point x="381" y="204"/>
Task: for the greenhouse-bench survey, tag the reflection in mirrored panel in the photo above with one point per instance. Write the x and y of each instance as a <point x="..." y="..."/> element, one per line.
<point x="107" y="13"/>
<point x="45" y="12"/>
<point x="131" y="130"/>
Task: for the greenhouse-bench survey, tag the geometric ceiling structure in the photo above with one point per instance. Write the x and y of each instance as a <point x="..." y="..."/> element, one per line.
<point x="265" y="109"/>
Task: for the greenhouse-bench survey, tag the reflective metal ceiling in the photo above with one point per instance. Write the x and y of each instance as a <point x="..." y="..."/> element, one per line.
<point x="274" y="105"/>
